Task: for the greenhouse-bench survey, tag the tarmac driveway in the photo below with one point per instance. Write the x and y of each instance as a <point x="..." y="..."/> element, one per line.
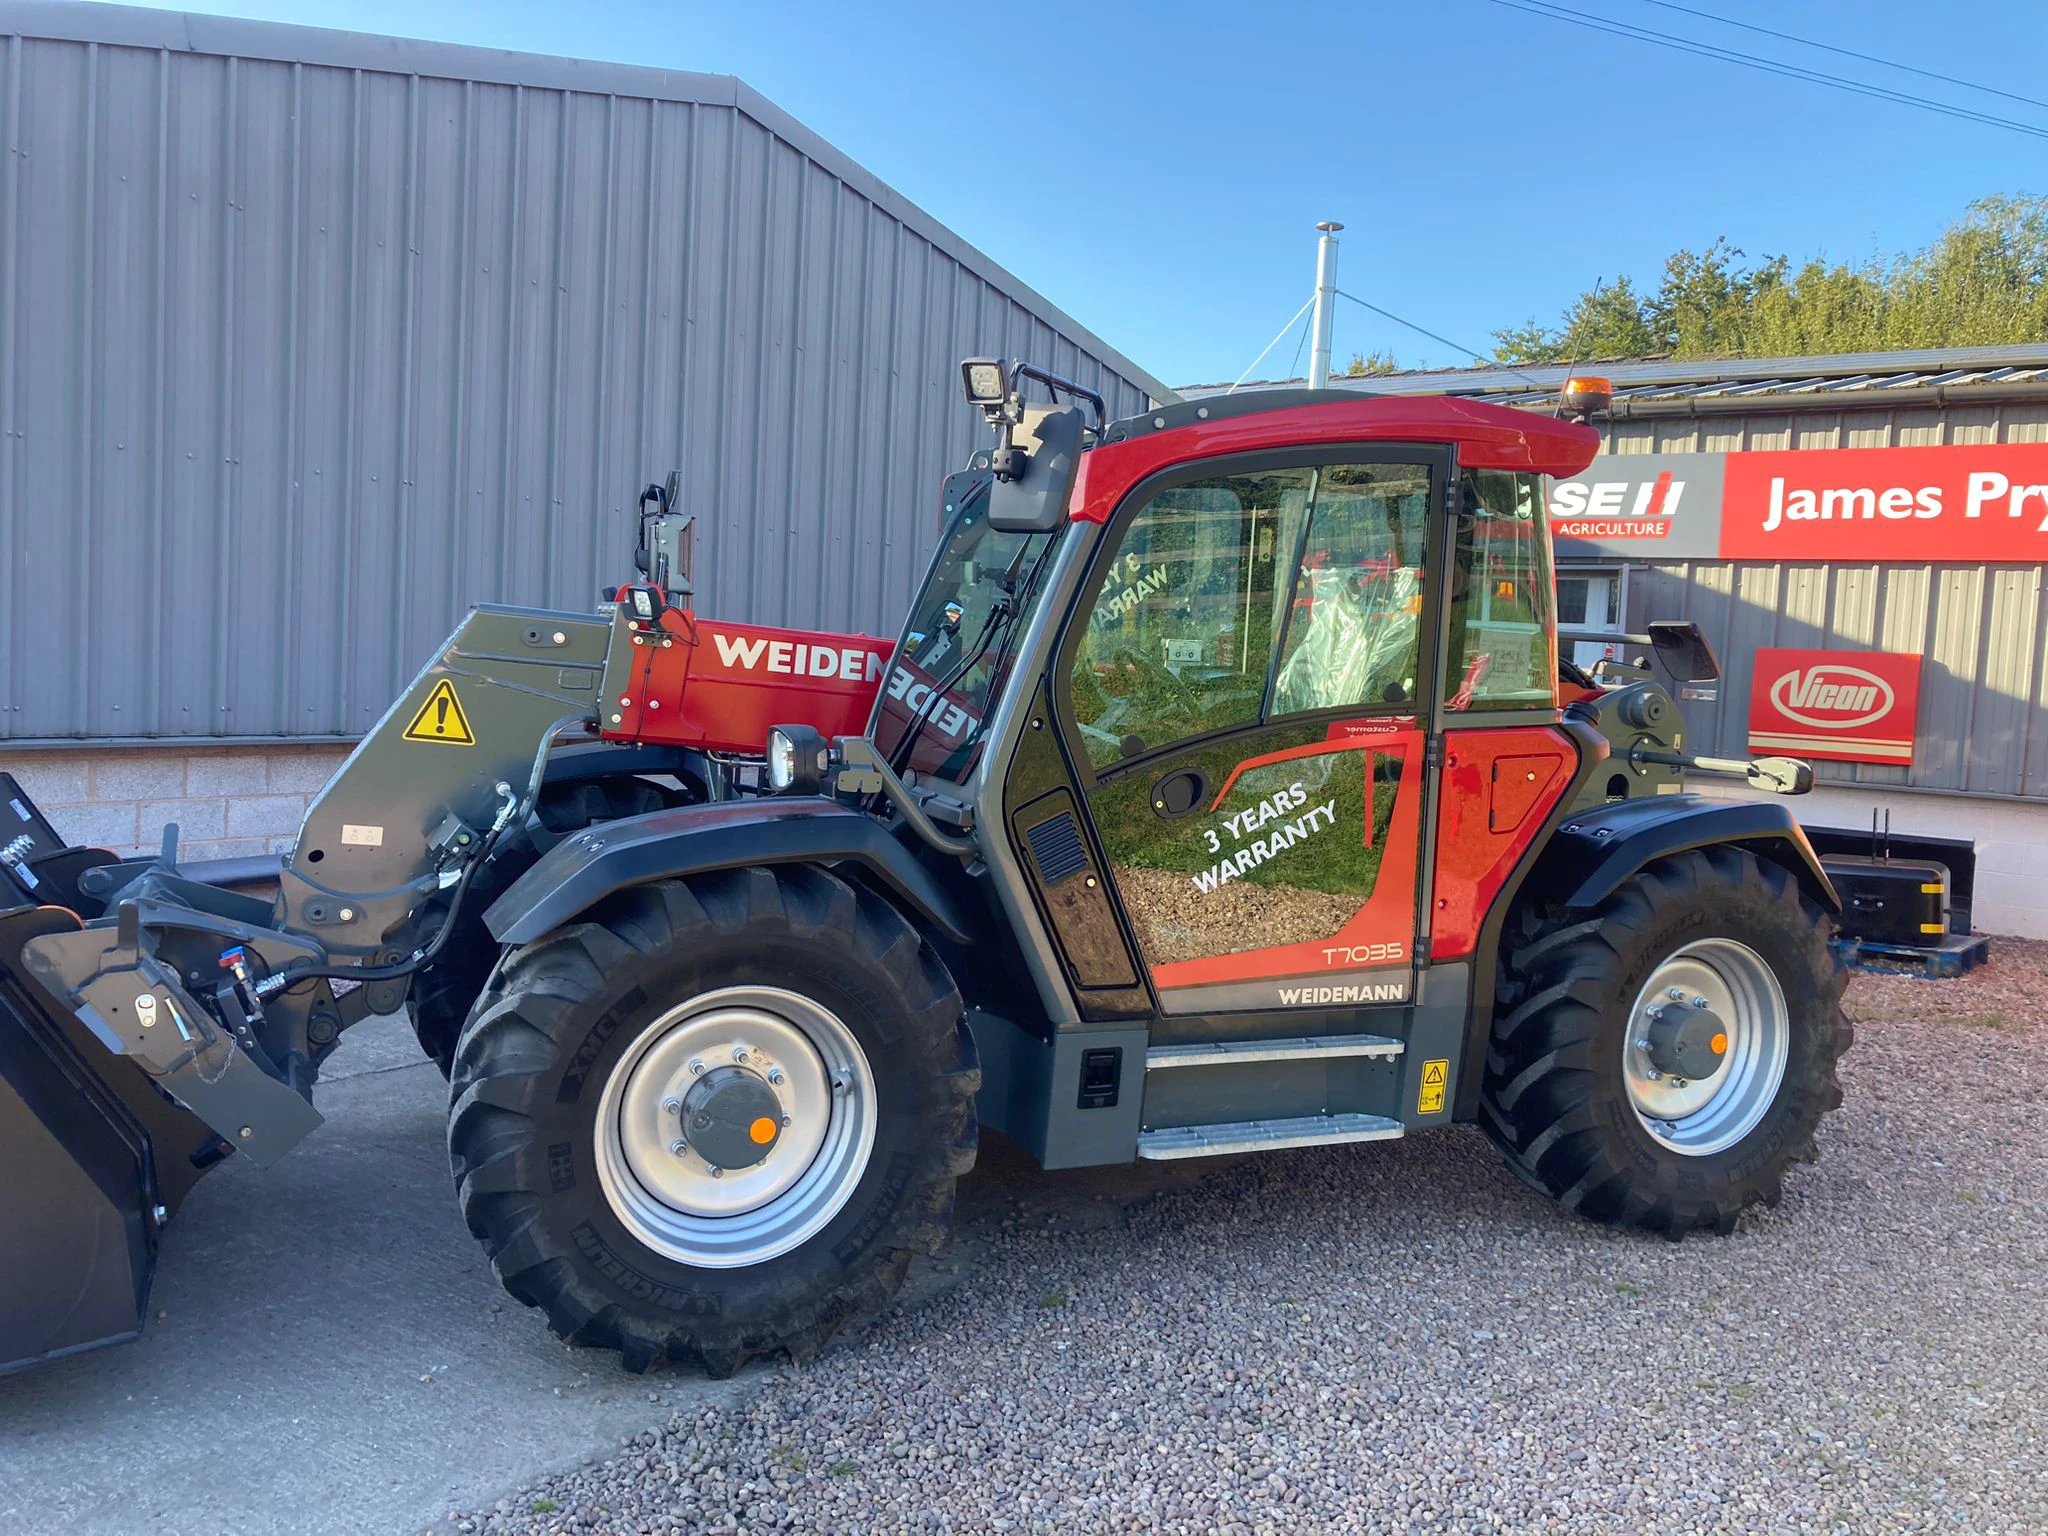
<point x="329" y="1351"/>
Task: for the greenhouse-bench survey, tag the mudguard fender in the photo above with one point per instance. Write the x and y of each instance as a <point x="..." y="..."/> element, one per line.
<point x="1594" y="851"/>
<point x="694" y="839"/>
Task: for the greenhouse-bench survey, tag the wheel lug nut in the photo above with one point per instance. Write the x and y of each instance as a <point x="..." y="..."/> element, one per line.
<point x="678" y="1147"/>
<point x="739" y="1053"/>
<point x="785" y="1122"/>
<point x="715" y="1171"/>
<point x="1655" y="1075"/>
<point x="1642" y="1045"/>
<point x="1678" y="992"/>
<point x="1678" y="1082"/>
<point x="673" y="1106"/>
<point x="1699" y="1002"/>
<point x="775" y="1076"/>
<point x="696" y="1067"/>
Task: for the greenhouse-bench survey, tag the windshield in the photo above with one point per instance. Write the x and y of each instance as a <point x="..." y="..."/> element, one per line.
<point x="956" y="650"/>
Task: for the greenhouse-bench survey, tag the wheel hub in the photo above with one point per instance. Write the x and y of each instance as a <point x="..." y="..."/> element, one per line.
<point x="1708" y="1040"/>
<point x="731" y="1118"/>
<point x="735" y="1125"/>
<point x="1686" y="1040"/>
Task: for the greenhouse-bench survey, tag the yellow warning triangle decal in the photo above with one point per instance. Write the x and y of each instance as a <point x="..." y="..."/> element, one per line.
<point x="1434" y="1073"/>
<point x="442" y="719"/>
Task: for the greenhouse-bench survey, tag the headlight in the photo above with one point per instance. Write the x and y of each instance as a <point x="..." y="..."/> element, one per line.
<point x="781" y="761"/>
<point x="796" y="760"/>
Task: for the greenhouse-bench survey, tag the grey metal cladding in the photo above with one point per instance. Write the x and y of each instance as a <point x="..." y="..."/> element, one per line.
<point x="309" y="340"/>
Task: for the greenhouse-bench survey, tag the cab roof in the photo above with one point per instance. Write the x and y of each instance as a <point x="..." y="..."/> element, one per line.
<point x="1485" y="436"/>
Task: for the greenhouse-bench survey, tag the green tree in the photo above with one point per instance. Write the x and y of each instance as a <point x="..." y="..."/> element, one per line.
<point x="1363" y="364"/>
<point x="1608" y="320"/>
<point x="1981" y="282"/>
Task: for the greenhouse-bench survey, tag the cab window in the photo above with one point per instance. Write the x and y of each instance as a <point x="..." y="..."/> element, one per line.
<point x="1179" y="637"/>
<point x="1503" y="630"/>
<point x="1354" y="629"/>
<point x="1248" y="597"/>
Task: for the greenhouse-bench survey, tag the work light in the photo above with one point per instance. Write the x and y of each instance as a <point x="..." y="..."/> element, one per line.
<point x="987" y="381"/>
<point x="796" y="759"/>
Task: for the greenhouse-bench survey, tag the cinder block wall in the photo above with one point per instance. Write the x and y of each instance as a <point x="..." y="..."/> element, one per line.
<point x="228" y="802"/>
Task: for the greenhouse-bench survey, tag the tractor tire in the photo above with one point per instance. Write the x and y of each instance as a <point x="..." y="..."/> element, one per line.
<point x="444" y="993"/>
<point x="673" y="1010"/>
<point x="1586" y="1090"/>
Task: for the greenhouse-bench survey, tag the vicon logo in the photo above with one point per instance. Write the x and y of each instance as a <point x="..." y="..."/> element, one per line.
<point x="1832" y="697"/>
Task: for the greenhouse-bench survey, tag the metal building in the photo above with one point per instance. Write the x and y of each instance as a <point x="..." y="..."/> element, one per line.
<point x="308" y="340"/>
<point x="1916" y="576"/>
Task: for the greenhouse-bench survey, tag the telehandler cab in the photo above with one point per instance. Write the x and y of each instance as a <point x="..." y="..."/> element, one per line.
<point x="1224" y="792"/>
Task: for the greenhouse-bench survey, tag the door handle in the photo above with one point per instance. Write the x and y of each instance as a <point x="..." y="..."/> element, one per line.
<point x="1179" y="793"/>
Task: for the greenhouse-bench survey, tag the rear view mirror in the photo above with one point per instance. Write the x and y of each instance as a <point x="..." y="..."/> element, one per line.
<point x="1033" y="499"/>
<point x="1684" y="650"/>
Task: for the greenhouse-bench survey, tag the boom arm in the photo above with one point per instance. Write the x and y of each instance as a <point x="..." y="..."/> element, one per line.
<point x="228" y="1006"/>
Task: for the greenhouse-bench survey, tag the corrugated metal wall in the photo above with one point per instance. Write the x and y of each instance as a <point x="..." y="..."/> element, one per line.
<point x="1984" y="629"/>
<point x="309" y="340"/>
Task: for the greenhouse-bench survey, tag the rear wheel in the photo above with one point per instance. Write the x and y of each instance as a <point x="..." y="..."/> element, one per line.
<point x="1662" y="1061"/>
<point x="443" y="994"/>
<point x="717" y="1118"/>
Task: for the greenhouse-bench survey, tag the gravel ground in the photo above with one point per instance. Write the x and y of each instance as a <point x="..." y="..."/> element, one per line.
<point x="1401" y="1337"/>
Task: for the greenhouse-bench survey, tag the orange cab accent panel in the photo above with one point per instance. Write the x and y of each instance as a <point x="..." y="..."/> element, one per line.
<point x="1499" y="787"/>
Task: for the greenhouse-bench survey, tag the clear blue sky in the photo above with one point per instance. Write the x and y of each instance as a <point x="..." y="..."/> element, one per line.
<point x="1489" y="164"/>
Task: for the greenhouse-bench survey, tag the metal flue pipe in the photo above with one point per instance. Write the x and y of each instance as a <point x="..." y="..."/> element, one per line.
<point x="1326" y="303"/>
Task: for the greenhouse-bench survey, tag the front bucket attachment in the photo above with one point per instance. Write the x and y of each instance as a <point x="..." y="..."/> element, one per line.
<point x="77" y="1229"/>
<point x="93" y="1155"/>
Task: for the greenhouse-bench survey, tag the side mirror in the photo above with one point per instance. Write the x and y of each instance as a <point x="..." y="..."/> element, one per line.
<point x="1684" y="650"/>
<point x="1047" y="453"/>
<point x="1780" y="775"/>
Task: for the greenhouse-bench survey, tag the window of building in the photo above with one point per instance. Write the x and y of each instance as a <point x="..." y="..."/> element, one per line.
<point x="1588" y="599"/>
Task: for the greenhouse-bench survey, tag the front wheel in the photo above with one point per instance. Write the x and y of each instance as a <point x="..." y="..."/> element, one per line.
<point x="716" y="1118"/>
<point x="1661" y="1061"/>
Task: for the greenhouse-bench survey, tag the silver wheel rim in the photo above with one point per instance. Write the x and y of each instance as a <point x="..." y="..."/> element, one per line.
<point x="1702" y="1116"/>
<point x="670" y="1199"/>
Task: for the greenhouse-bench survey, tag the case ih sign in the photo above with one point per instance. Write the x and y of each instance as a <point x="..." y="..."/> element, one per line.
<point x="1843" y="706"/>
<point x="1981" y="503"/>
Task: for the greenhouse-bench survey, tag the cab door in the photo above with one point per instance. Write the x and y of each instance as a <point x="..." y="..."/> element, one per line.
<point x="1238" y="693"/>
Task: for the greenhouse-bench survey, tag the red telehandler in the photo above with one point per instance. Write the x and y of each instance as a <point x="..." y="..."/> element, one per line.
<point x="1223" y="792"/>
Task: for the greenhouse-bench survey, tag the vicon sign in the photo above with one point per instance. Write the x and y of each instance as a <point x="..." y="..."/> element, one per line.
<point x="1843" y="706"/>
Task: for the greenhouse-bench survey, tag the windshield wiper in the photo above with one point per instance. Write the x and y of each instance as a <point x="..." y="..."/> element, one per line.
<point x="1000" y="614"/>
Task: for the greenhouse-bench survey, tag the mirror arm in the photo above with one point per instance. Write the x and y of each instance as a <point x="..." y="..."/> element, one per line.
<point x="1779" y="775"/>
<point x="863" y="772"/>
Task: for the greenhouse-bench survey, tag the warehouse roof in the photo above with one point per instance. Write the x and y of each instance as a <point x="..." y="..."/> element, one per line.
<point x="1669" y="383"/>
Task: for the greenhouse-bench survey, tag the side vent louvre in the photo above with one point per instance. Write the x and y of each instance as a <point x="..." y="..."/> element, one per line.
<point x="1056" y="848"/>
